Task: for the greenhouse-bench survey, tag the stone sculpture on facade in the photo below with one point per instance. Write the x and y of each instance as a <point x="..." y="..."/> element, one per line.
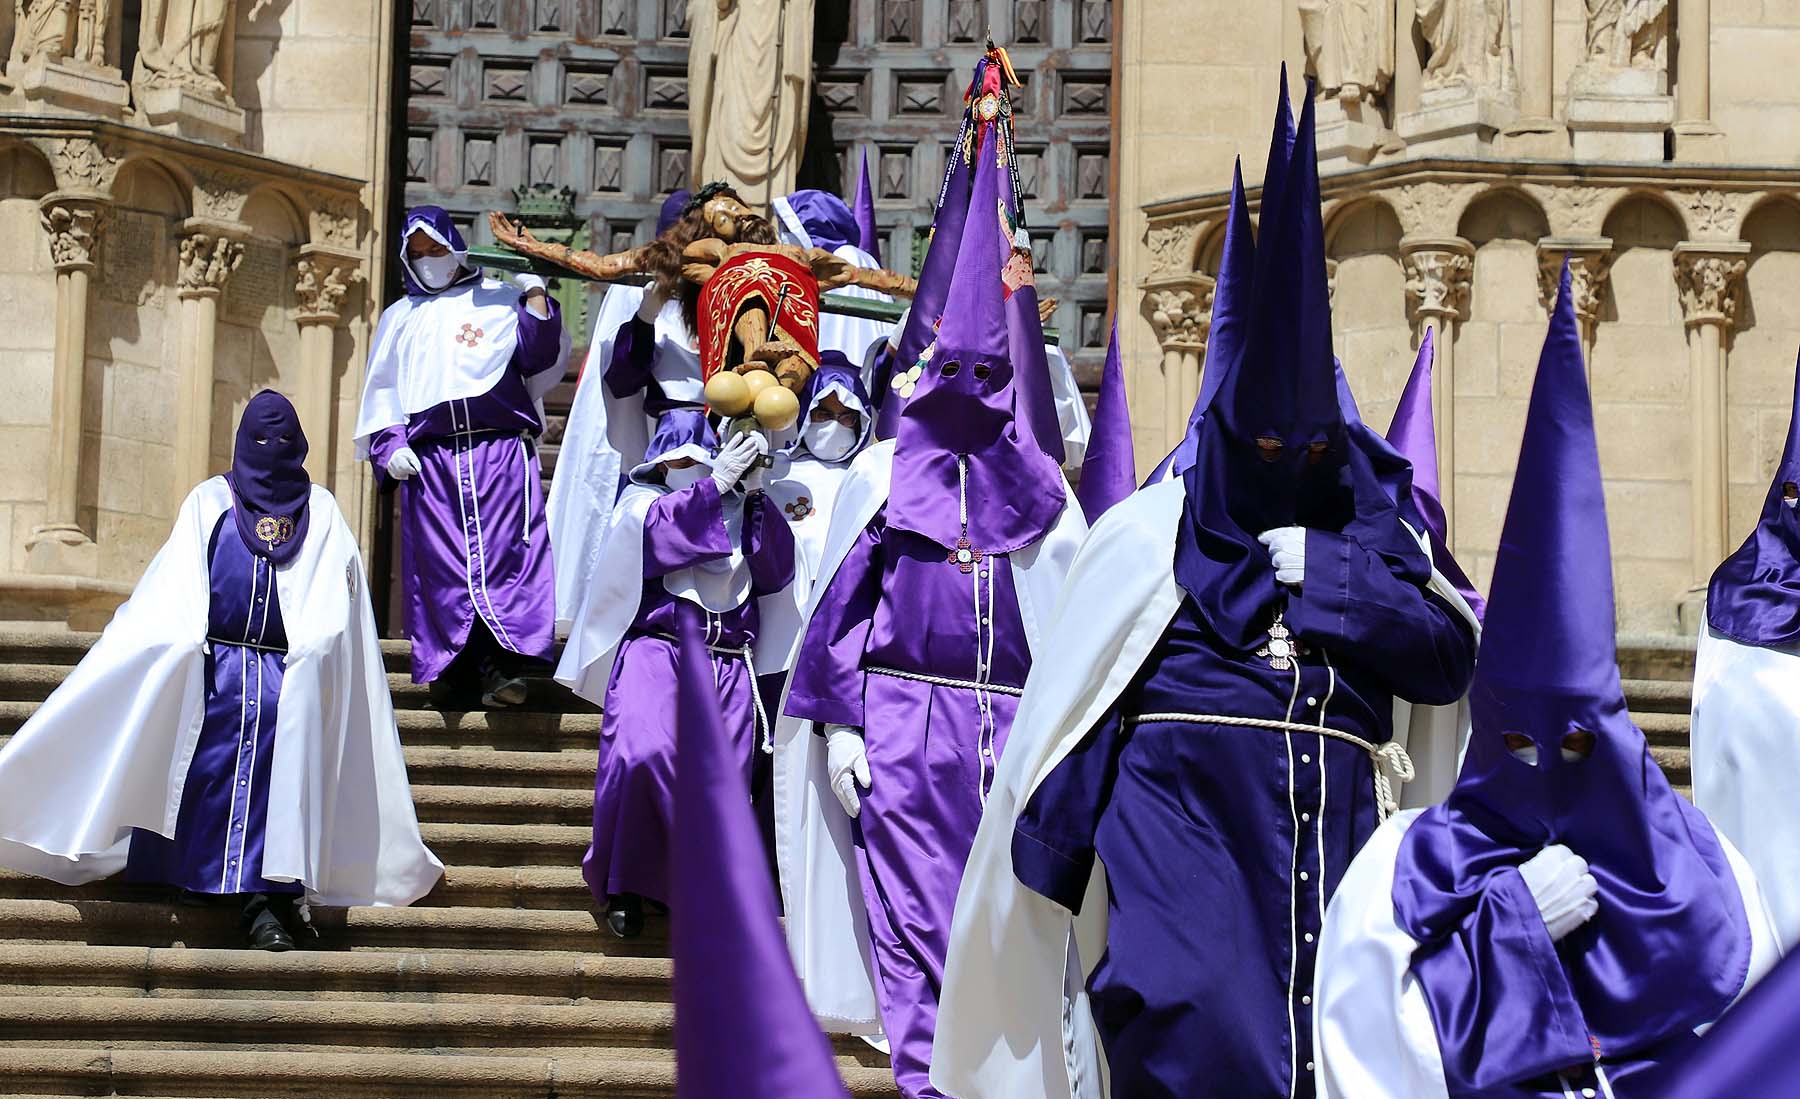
<point x="1628" y="33"/>
<point x="180" y="82"/>
<point x="749" y="64"/>
<point x="58" y="30"/>
<point x="1349" y="47"/>
<point x="1470" y="44"/>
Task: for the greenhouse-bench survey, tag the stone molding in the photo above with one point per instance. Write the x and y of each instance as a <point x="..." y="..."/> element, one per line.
<point x="1710" y="278"/>
<point x="75" y="224"/>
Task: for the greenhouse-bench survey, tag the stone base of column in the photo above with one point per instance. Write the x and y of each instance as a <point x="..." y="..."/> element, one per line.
<point x="61" y="550"/>
<point x="58" y="604"/>
<point x="68" y="87"/>
<point x="1454" y="121"/>
<point x="1353" y="131"/>
<point x="1534" y="139"/>
<point x="186" y="113"/>
<point x="1691" y="610"/>
<point x="1699" y="143"/>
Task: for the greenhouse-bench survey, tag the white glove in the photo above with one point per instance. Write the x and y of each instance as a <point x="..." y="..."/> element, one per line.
<point x="1564" y="890"/>
<point x="1287" y="549"/>
<point x="736" y="459"/>
<point x="403" y="464"/>
<point x="651" y="306"/>
<point x="848" y="765"/>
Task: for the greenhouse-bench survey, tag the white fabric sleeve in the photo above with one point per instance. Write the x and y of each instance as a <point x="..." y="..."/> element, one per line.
<point x="1373" y="1031"/>
<point x="1765" y="941"/>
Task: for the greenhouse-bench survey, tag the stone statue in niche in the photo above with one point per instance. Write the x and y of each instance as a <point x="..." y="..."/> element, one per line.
<point x="1470" y="44"/>
<point x="59" y="30"/>
<point x="1628" y="34"/>
<point x="179" y="46"/>
<point x="1349" y="47"/>
<point x="749" y="63"/>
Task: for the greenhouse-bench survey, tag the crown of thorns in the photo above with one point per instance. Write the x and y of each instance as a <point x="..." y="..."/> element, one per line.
<point x="705" y="195"/>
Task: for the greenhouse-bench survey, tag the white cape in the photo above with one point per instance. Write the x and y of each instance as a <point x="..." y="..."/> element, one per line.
<point x="1013" y="1018"/>
<point x="422" y="358"/>
<point x="1745" y="737"/>
<point x="1374" y="1035"/>
<point x="827" y="926"/>
<point x="109" y="751"/>
<point x="1071" y="408"/>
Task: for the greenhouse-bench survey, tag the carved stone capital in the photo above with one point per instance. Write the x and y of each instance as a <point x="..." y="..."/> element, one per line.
<point x="334" y="219"/>
<point x="1439" y="274"/>
<point x="1181" y="313"/>
<point x="1710" y="277"/>
<point x="1431" y="208"/>
<point x="75" y="224"/>
<point x="1574" y="210"/>
<point x="1590" y="267"/>
<point x="222" y="195"/>
<point x="1172" y="246"/>
<point x="322" y="281"/>
<point x="82" y="165"/>
<point x="1714" y="214"/>
<point x="207" y="260"/>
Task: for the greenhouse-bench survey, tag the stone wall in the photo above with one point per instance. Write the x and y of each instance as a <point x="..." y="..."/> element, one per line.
<point x="174" y="235"/>
<point x="1671" y="185"/>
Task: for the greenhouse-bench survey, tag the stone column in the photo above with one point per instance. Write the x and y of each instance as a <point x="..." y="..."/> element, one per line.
<point x="1709" y="276"/>
<point x="1696" y="138"/>
<point x="1439" y="275"/>
<point x="322" y="278"/>
<point x="1536" y="132"/>
<point x="1590" y="266"/>
<point x="1182" y="316"/>
<point x="75" y="223"/>
<point x="210" y="252"/>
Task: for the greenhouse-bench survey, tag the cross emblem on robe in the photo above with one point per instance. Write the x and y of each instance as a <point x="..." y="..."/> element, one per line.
<point x="1282" y="649"/>
<point x="965" y="556"/>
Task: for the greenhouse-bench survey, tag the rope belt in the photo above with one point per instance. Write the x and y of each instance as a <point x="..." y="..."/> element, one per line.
<point x="747" y="655"/>
<point x="945" y="681"/>
<point x="1389" y="757"/>
<point x="235" y="644"/>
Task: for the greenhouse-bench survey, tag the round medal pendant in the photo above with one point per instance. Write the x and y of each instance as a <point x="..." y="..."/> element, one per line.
<point x="1280" y="648"/>
<point x="965" y="557"/>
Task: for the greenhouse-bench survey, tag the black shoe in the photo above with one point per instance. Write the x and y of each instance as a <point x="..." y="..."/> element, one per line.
<point x="625" y="915"/>
<point x="268" y="934"/>
<point x="499" y="689"/>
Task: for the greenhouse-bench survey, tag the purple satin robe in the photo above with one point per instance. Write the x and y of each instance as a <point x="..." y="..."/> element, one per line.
<point x="473" y="542"/>
<point x="899" y="603"/>
<point x="222" y="822"/>
<point x="1223" y="844"/>
<point x="634" y="788"/>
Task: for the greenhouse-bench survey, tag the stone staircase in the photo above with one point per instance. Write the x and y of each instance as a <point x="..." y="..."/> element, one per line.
<point x="498" y="985"/>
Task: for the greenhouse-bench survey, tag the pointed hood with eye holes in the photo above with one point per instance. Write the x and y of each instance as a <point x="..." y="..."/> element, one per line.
<point x="269" y="485"/>
<point x="1754" y="598"/>
<point x="1273" y="448"/>
<point x="1669" y="948"/>
<point x="965" y="408"/>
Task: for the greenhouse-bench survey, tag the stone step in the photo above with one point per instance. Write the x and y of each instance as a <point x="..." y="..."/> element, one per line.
<point x="256" y="1074"/>
<point x="508" y="845"/>
<point x="533" y="887"/>
<point x="1666" y="696"/>
<point x="1656" y="656"/>
<point x="456" y="929"/>
<point x="502" y="805"/>
<point x="507" y="730"/>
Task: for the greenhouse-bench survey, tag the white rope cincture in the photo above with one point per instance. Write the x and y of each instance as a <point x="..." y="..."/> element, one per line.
<point x="1388" y="758"/>
<point x="762" y="717"/>
<point x="946" y="681"/>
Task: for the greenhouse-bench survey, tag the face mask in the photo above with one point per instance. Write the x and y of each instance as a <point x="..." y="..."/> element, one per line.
<point x="829" y="441"/>
<point x="436" y="272"/>
<point x="678" y="479"/>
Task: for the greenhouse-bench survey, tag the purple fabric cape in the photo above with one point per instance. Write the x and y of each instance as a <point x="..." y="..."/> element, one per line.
<point x="1754" y="597"/>
<point x="1109" y="472"/>
<point x="1413" y="433"/>
<point x="672" y="209"/>
<point x="868" y="233"/>
<point x="742" y="1027"/>
<point x="439" y="227"/>
<point x="1670" y="945"/>
<point x="268" y="476"/>
<point x="827" y="219"/>
<point x="1025" y="333"/>
<point x="1282" y="386"/>
<point x="965" y="406"/>
<point x="1752" y="1053"/>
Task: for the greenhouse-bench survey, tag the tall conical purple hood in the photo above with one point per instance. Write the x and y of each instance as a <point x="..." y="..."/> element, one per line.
<point x="986" y="136"/>
<point x="866" y="228"/>
<point x="742" y="1026"/>
<point x="1282" y="137"/>
<point x="962" y="416"/>
<point x="1109" y="472"/>
<point x="1413" y="432"/>
<point x="1669" y="947"/>
<point x="1230" y="308"/>
<point x="1754" y="597"/>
